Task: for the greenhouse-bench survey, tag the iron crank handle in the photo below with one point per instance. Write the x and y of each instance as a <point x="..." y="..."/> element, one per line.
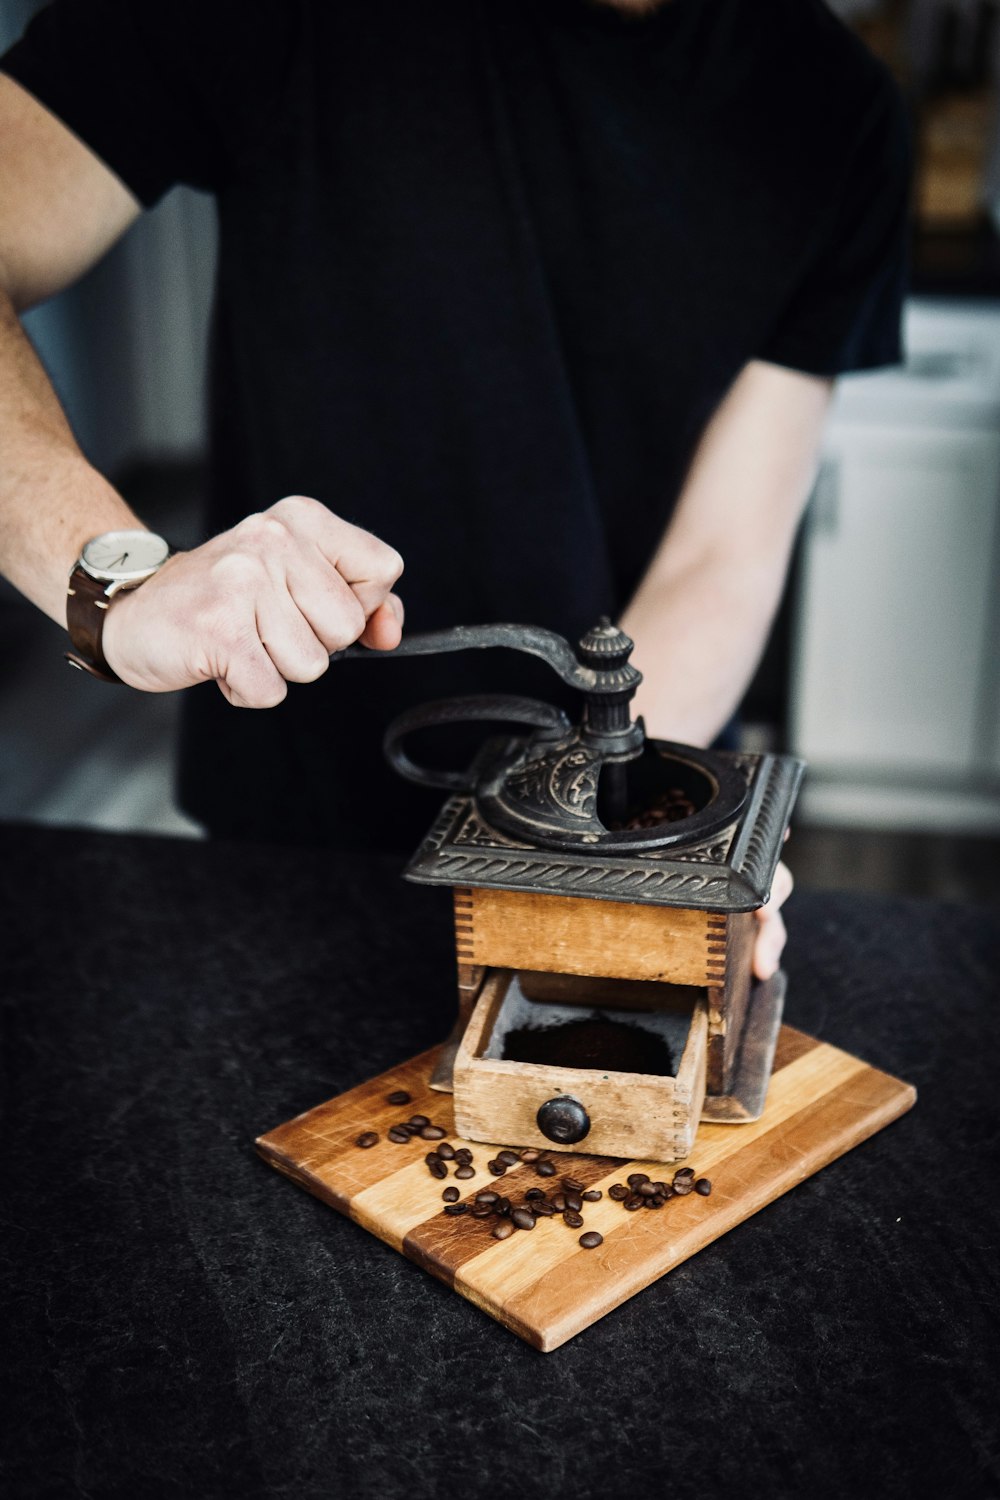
<point x="500" y="707"/>
<point x="552" y="648"/>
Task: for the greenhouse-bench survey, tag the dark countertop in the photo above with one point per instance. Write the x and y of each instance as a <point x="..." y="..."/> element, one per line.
<point x="186" y="1323"/>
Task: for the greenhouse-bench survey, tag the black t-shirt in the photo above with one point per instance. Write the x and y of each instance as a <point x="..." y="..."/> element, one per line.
<point x="485" y="271"/>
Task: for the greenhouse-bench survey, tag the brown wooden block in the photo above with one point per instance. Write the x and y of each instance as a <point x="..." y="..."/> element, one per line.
<point x="541" y="1284"/>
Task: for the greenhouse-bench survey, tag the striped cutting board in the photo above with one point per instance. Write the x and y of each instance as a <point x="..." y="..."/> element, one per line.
<point x="540" y="1283"/>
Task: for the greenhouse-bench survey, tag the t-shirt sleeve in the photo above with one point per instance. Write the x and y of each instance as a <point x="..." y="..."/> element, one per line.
<point x="159" y="91"/>
<point x="845" y="312"/>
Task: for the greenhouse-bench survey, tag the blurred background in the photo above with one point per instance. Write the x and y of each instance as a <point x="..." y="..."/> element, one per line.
<point x="883" y="669"/>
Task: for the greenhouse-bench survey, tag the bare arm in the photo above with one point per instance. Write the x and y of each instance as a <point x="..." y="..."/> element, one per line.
<point x="253" y="609"/>
<point x="701" y="615"/>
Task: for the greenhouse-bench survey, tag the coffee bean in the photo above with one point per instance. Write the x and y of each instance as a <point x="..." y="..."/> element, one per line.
<point x="400" y="1137"/>
<point x="535" y="1193"/>
<point x="539" y="1206"/>
<point x="482" y="1211"/>
<point x="509" y="1158"/>
<point x="591" y="1239"/>
<point x="646" y="1189"/>
<point x="530" y="1155"/>
<point x="464" y="1172"/>
<point x="462" y="1153"/>
<point x="559" y="1201"/>
<point x="573" y="1219"/>
<point x="437" y="1167"/>
<point x="456" y="1208"/>
<point x="635" y="1178"/>
<point x="367" y="1138"/>
<point x="683" y="1172"/>
<point x="704" y="1187"/>
<point x="618" y="1191"/>
<point x="408" y="1130"/>
<point x="522" y="1218"/>
<point x="418" y="1121"/>
<point x="446" y="1151"/>
<point x="683" y="1187"/>
<point x="496" y="1167"/>
<point x="667" y="1193"/>
<point x="661" y="1187"/>
<point x="573" y="1184"/>
<point x="433" y="1133"/>
<point x="487" y="1197"/>
<point x="632" y="1202"/>
<point x="574" y="1202"/>
<point x="503" y="1230"/>
<point x="398" y="1096"/>
<point x="654" y="1202"/>
<point x="502" y="1206"/>
<point x="545" y="1169"/>
<point x="451" y="1195"/>
<point x="592" y="1195"/>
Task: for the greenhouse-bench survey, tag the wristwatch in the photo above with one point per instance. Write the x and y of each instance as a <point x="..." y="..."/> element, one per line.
<point x="108" y="565"/>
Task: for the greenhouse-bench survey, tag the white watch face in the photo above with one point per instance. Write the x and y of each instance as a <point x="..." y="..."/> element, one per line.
<point x="124" y="555"/>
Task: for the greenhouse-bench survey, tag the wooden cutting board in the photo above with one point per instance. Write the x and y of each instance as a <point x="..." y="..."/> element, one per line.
<point x="540" y="1283"/>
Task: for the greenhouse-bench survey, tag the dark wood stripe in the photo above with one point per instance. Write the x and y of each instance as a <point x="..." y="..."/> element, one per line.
<point x="791" y="1045"/>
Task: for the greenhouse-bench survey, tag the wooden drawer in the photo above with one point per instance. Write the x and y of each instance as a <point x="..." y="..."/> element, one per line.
<point x="639" y="1115"/>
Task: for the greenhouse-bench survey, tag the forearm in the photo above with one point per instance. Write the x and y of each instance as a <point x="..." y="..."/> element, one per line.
<point x="51" y="498"/>
<point x="699" y="631"/>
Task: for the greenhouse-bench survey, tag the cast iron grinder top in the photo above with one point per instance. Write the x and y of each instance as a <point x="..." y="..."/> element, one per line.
<point x="584" y="792"/>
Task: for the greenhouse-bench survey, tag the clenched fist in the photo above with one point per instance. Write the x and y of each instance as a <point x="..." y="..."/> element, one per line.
<point x="258" y="606"/>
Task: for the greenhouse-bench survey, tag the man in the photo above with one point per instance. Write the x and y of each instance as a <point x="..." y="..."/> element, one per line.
<point x="547" y="295"/>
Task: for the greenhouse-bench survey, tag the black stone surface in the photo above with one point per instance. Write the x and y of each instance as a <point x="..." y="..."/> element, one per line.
<point x="180" y="1321"/>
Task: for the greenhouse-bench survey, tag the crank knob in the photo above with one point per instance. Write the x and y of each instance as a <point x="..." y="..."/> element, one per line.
<point x="564" y="1120"/>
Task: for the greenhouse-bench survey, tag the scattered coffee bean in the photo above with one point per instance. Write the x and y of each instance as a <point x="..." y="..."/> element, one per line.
<point x="482" y="1211"/>
<point x="591" y="1239"/>
<point x="632" y="1202"/>
<point x="574" y="1220"/>
<point x="545" y="1169"/>
<point x="451" y="1195"/>
<point x="464" y="1171"/>
<point x="683" y="1172"/>
<point x="667" y="1193"/>
<point x="433" y="1133"/>
<point x="400" y="1137"/>
<point x="573" y="1184"/>
<point x="661" y="1187"/>
<point x="530" y="1155"/>
<point x="487" y="1197"/>
<point x="646" y="1190"/>
<point x="574" y="1202"/>
<point x="539" y="1206"/>
<point x="398" y="1096"/>
<point x="704" y="1187"/>
<point x="535" y="1193"/>
<point x="654" y="1202"/>
<point x="496" y="1167"/>
<point x="502" y="1206"/>
<point x="503" y="1230"/>
<point x="367" y="1138"/>
<point x="456" y="1208"/>
<point x="437" y="1167"/>
<point x="446" y="1152"/>
<point x="592" y="1195"/>
<point x="522" y="1218"/>
<point x="683" y="1187"/>
<point x="618" y="1191"/>
<point x="559" y="1201"/>
<point x="418" y="1121"/>
<point x="635" y="1178"/>
<point x="463" y="1154"/>
<point x="509" y="1158"/>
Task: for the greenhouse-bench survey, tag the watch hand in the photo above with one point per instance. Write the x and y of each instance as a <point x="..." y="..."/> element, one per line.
<point x="118" y="562"/>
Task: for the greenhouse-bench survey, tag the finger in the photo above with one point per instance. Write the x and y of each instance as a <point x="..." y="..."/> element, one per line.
<point x="770" y="943"/>
<point x="384" y="630"/>
<point x="289" y="639"/>
<point x="367" y="564"/>
<point x="251" y="680"/>
<point x="781" y="887"/>
<point x="329" y="605"/>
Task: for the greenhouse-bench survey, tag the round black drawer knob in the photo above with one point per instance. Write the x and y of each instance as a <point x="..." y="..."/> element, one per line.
<point x="564" y="1120"/>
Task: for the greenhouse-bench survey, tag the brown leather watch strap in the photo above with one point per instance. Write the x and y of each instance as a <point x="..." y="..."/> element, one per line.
<point x="86" y="606"/>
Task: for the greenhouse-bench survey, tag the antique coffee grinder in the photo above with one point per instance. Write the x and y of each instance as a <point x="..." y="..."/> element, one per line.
<point x="604" y="889"/>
